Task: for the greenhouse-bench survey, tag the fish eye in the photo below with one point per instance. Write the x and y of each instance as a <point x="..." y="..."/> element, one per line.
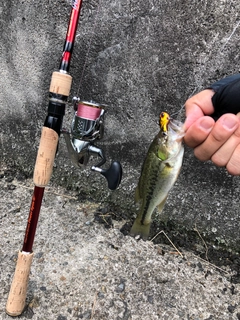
<point x="164" y="134"/>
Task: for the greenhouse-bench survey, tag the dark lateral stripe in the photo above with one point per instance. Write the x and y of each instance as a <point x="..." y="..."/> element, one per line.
<point x="148" y="200"/>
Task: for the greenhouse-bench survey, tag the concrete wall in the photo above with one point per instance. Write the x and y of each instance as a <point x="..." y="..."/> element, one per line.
<point x="140" y="57"/>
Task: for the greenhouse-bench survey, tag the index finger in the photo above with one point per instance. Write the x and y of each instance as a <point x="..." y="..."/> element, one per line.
<point x="198" y="106"/>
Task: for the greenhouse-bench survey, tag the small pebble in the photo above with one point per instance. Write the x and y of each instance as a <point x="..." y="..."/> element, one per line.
<point x="120" y="287"/>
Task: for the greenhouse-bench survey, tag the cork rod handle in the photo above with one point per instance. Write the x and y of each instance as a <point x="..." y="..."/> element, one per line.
<point x="18" y="291"/>
<point x="45" y="157"/>
<point x="60" y="84"/>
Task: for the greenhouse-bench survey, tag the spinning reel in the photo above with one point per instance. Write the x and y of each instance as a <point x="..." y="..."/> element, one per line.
<point x="87" y="126"/>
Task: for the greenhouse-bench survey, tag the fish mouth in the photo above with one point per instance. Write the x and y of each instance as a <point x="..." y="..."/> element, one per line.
<point x="176" y="127"/>
<point x="168" y="126"/>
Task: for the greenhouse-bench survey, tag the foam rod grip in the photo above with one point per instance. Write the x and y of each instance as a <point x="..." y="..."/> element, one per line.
<point x="18" y="291"/>
<point x="45" y="157"/>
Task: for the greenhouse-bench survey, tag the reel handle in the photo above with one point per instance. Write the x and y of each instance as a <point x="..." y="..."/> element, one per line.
<point x="113" y="174"/>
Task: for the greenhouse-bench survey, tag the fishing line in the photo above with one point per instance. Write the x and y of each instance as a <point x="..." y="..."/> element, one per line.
<point x="99" y="6"/>
<point x="220" y="49"/>
<point x="178" y="113"/>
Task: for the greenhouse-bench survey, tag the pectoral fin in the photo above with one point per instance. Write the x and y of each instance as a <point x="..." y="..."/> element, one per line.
<point x="161" y="205"/>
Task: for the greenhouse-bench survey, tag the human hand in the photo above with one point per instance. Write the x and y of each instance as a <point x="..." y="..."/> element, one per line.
<point x="216" y="141"/>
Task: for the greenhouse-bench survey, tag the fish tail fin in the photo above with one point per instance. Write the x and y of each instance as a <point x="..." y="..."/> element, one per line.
<point x="140" y="229"/>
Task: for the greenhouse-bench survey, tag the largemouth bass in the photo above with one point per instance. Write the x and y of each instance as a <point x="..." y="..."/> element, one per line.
<point x="160" y="170"/>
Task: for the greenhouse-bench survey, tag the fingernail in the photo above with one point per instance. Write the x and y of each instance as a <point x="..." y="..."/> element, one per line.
<point x="205" y="124"/>
<point x="229" y="123"/>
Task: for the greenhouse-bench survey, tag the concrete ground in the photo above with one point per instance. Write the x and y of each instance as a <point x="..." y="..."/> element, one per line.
<point x="83" y="269"/>
<point x="139" y="58"/>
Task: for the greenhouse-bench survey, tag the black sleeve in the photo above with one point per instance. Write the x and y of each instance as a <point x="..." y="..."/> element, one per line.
<point x="227" y="96"/>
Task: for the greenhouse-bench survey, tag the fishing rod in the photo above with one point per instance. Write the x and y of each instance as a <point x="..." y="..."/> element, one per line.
<point x="87" y="126"/>
<point x="58" y="94"/>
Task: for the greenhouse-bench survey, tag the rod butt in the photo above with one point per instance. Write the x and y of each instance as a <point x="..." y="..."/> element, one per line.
<point x="18" y="291"/>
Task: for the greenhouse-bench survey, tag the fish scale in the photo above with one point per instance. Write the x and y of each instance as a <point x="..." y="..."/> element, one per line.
<point x="160" y="170"/>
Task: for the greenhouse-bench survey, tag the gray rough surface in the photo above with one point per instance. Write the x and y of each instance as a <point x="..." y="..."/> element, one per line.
<point x="83" y="270"/>
<point x="144" y="57"/>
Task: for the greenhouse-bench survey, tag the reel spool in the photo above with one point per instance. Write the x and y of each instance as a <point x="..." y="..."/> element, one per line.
<point x="88" y="126"/>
